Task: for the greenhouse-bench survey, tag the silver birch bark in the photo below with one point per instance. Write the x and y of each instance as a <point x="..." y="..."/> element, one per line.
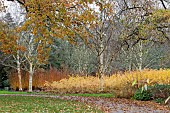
<point x="140" y="55"/>
<point x="19" y="71"/>
<point x="30" y="76"/>
<point x="101" y="63"/>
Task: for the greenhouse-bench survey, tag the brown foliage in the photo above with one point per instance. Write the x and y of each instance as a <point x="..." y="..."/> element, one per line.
<point x="39" y="78"/>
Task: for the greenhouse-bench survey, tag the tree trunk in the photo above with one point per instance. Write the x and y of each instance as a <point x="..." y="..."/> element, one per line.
<point x="30" y="77"/>
<point x="19" y="71"/>
<point x="130" y="60"/>
<point x="140" y="55"/>
<point x="101" y="65"/>
<point x="19" y="68"/>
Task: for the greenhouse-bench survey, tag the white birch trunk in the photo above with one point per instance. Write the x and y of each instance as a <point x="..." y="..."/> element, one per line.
<point x="130" y="59"/>
<point x="30" y="77"/>
<point x="140" y="56"/>
<point x="19" y="68"/>
<point x="101" y="65"/>
<point x="19" y="71"/>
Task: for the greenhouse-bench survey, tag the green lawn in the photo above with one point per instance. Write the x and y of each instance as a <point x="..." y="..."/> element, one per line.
<point x="12" y="92"/>
<point x="106" y="95"/>
<point x="19" y="104"/>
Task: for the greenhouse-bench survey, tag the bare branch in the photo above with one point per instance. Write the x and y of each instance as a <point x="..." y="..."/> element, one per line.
<point x="163" y="4"/>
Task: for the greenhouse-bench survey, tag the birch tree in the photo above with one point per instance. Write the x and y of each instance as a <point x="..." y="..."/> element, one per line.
<point x="101" y="33"/>
<point x="13" y="52"/>
<point x="10" y="45"/>
<point x="46" y="20"/>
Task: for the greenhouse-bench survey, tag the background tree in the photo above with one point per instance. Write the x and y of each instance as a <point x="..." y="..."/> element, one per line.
<point x="3" y="76"/>
<point x="10" y="46"/>
<point x="77" y="59"/>
<point x="136" y="27"/>
<point x="150" y="53"/>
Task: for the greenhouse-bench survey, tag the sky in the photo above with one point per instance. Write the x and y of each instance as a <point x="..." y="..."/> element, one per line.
<point x="16" y="11"/>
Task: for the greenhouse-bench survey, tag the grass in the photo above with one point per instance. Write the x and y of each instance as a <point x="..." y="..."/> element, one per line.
<point x="20" y="92"/>
<point x="19" y="104"/>
<point x="106" y="95"/>
<point x="12" y="92"/>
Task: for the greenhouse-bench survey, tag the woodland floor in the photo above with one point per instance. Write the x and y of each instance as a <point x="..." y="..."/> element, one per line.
<point x="111" y="105"/>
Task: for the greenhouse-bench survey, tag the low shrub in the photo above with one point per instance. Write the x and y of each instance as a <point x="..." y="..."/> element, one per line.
<point x="143" y="95"/>
<point x="39" y="78"/>
<point x="158" y="92"/>
<point x="119" y="84"/>
<point x="161" y="91"/>
<point x="160" y="100"/>
<point x="74" y="85"/>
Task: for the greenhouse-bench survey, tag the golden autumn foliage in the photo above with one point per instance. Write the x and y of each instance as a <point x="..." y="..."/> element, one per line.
<point x="161" y="16"/>
<point x="8" y="40"/>
<point x="56" y="18"/>
<point x="74" y="85"/>
<point x="45" y="20"/>
<point x="119" y="84"/>
<point x="48" y="19"/>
